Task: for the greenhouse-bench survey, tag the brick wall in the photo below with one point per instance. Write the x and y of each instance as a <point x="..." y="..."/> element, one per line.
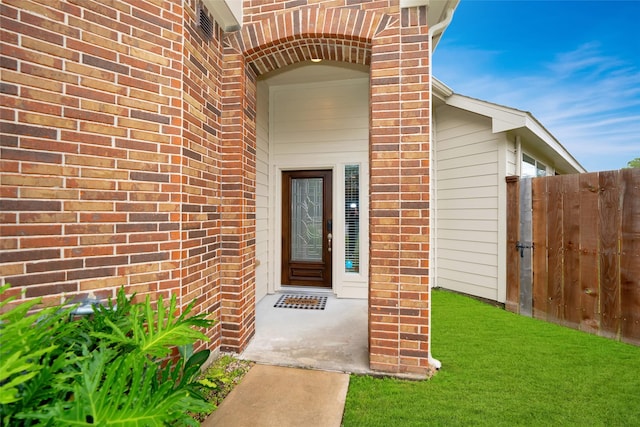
<point x="258" y="10"/>
<point x="128" y="154"/>
<point x="399" y="283"/>
<point x="109" y="151"/>
<point x="395" y="44"/>
<point x="201" y="166"/>
<point x="239" y="209"/>
<point x="90" y="178"/>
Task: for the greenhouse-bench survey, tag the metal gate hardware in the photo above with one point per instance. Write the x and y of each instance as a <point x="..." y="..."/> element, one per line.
<point x="522" y="247"/>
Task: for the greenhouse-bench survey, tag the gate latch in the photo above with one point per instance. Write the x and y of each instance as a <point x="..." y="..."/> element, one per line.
<point x="522" y="246"/>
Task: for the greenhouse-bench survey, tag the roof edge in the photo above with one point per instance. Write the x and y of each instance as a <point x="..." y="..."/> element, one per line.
<point x="227" y="13"/>
<point x="505" y="119"/>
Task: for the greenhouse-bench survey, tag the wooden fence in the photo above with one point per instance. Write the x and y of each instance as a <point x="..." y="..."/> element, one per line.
<point x="573" y="251"/>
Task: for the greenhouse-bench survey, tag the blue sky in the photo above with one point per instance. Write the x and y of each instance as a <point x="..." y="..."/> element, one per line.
<point x="575" y="65"/>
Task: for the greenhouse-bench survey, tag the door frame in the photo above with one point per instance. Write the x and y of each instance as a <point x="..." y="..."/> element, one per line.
<point x="275" y="223"/>
<point x="327" y="231"/>
<point x="344" y="285"/>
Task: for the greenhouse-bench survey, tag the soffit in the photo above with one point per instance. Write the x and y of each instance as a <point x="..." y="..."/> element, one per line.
<point x="306" y="72"/>
<point x="227" y="13"/>
<point x="522" y="123"/>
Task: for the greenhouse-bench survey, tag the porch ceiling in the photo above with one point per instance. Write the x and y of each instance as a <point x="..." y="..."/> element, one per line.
<point x="305" y="72"/>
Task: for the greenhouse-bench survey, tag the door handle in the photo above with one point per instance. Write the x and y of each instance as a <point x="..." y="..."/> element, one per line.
<point x="329" y="237"/>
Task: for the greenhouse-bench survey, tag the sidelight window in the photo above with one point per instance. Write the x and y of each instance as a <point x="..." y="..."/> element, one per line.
<point x="352" y="218"/>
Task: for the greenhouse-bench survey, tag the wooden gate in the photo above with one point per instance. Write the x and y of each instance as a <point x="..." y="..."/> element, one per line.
<point x="573" y="251"/>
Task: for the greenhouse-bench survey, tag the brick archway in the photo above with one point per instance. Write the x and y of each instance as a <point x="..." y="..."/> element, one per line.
<point x="312" y="32"/>
<point x="396" y="47"/>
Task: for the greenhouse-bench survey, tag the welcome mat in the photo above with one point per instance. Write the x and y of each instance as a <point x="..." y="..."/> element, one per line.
<point x="307" y="302"/>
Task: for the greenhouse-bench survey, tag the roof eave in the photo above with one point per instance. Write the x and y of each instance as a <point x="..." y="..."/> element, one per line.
<point x="506" y="119"/>
<point x="439" y="13"/>
<point x="227" y="13"/>
<point x="535" y="127"/>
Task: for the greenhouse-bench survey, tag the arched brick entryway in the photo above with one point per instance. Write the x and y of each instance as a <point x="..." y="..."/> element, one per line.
<point x="395" y="44"/>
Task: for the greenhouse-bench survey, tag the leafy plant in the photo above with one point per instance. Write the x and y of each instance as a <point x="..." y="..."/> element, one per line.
<point x="220" y="379"/>
<point x="27" y="352"/>
<point x="115" y="367"/>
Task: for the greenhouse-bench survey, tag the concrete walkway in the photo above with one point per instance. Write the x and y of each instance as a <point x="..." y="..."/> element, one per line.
<point x="283" y="397"/>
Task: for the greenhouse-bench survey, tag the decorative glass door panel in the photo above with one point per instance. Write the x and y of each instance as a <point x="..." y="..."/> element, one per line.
<point x="306" y="219"/>
<point x="306" y="225"/>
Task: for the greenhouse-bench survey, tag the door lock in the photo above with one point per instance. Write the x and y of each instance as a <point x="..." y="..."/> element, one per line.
<point x="329" y="237"/>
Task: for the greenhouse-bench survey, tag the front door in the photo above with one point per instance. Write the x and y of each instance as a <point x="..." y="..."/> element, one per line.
<point x="306" y="228"/>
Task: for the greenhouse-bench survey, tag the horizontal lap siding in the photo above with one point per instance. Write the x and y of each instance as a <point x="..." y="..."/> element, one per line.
<point x="326" y="125"/>
<point x="467" y="173"/>
<point x="321" y="118"/>
<point x="262" y="191"/>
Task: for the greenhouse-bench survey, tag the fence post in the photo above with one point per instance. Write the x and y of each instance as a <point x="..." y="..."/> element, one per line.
<point x="525" y="245"/>
<point x="513" y="237"/>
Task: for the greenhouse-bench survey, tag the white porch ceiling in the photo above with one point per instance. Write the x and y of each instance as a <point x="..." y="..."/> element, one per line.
<point x="307" y="72"/>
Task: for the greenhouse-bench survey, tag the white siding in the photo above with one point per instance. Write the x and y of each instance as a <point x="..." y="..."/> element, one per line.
<point x="512" y="154"/>
<point x="468" y="174"/>
<point x="312" y="120"/>
<point x="323" y="125"/>
<point x="262" y="191"/>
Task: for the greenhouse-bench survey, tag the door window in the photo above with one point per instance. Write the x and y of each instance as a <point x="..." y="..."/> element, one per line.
<point x="306" y="219"/>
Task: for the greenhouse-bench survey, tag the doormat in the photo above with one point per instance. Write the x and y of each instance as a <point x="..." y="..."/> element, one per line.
<point x="307" y="302"/>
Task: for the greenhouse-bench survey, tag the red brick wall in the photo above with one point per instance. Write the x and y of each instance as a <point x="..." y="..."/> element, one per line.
<point x="399" y="285"/>
<point x="202" y="163"/>
<point x="110" y="158"/>
<point x="91" y="181"/>
<point x="239" y="206"/>
<point x="128" y="154"/>
<point x="395" y="44"/>
<point x="257" y="10"/>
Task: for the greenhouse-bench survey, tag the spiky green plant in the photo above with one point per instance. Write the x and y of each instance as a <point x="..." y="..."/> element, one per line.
<point x="110" y="368"/>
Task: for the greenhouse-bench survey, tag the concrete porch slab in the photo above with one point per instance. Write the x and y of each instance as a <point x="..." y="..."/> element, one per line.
<point x="333" y="339"/>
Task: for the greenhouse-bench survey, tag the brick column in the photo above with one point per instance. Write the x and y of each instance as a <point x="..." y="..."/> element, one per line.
<point x="399" y="282"/>
<point x="238" y="203"/>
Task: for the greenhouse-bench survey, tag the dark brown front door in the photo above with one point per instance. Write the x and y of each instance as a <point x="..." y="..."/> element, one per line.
<point x="306" y="228"/>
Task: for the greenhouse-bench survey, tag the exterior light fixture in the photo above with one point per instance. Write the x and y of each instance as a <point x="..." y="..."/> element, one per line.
<point x="316" y="59"/>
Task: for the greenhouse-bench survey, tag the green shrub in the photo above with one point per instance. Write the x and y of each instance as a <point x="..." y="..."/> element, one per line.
<point x="114" y="367"/>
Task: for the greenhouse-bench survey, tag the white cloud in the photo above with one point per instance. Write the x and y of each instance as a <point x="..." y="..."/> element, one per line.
<point x="586" y="58"/>
<point x="588" y="99"/>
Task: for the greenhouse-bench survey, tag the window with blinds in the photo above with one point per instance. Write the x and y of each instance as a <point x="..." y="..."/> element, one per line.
<point x="352" y="218"/>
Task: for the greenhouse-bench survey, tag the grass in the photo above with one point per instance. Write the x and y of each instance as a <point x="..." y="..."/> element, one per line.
<point x="501" y="369"/>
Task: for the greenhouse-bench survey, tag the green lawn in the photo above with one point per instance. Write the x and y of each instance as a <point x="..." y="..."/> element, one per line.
<point x="499" y="368"/>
